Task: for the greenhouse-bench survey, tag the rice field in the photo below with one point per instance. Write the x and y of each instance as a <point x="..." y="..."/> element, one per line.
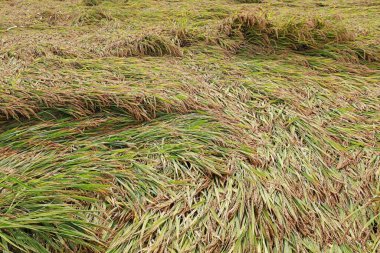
<point x="189" y="126"/>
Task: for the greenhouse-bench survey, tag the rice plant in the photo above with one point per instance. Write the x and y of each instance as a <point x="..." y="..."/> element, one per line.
<point x="249" y="1"/>
<point x="189" y="126"/>
<point x="93" y="17"/>
<point x="151" y="45"/>
<point x="91" y="2"/>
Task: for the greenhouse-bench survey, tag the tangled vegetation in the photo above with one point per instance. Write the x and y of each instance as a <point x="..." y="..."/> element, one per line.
<point x="189" y="126"/>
